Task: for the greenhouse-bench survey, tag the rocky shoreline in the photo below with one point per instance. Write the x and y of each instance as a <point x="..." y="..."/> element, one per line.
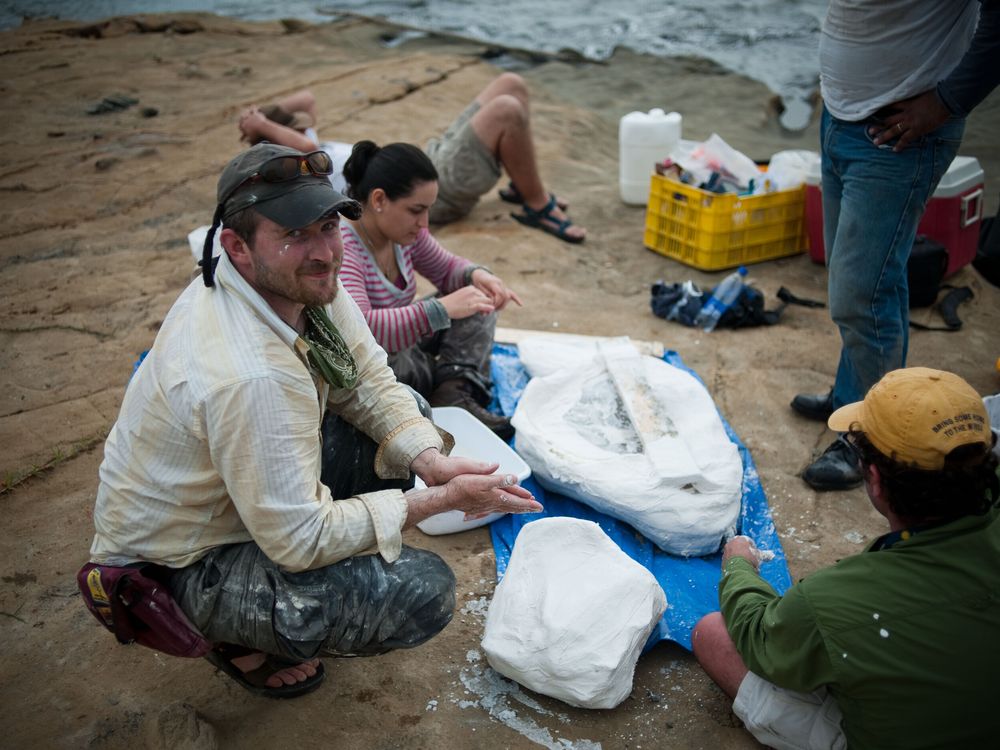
<point x="93" y="250"/>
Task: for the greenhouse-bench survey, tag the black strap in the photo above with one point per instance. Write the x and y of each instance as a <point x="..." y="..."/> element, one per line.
<point x="948" y="307"/>
<point x="771" y="317"/>
<point x="786" y="296"/>
<point x="207" y="266"/>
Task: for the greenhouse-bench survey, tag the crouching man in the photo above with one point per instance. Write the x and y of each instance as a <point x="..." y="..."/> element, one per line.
<point x="896" y="646"/>
<point x="216" y="472"/>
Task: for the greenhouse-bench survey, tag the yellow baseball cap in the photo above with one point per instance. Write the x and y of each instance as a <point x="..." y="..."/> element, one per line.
<point x="918" y="416"/>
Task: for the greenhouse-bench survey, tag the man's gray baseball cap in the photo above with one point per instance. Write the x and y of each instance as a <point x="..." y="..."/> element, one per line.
<point x="293" y="202"/>
<point x="292" y="192"/>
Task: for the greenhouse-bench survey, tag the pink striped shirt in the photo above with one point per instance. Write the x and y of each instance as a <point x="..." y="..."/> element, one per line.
<point x="397" y="321"/>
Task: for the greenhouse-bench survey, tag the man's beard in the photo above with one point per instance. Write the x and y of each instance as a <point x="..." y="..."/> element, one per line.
<point x="293" y="289"/>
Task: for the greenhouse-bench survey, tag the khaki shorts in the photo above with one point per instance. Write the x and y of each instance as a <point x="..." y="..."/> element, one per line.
<point x="466" y="168"/>
<point x="789" y="720"/>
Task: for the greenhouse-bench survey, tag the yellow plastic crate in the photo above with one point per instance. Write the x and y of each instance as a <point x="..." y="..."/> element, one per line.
<point x="713" y="231"/>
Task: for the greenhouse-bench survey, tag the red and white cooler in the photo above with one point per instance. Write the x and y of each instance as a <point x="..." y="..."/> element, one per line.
<point x="952" y="216"/>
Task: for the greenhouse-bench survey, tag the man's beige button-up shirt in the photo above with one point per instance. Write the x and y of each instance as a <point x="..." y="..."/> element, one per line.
<point x="218" y="439"/>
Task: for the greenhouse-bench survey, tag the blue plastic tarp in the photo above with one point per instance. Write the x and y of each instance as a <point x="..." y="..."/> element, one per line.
<point x="691" y="584"/>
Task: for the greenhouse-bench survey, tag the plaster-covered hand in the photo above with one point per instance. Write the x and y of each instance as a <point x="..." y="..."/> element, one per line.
<point x="494" y="288"/>
<point x="435" y="468"/>
<point x="743" y="546"/>
<point x="912" y="119"/>
<point x="466" y="302"/>
<point x="476" y="495"/>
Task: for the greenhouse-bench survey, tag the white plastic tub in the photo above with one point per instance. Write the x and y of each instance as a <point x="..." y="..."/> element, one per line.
<point x="473" y="439"/>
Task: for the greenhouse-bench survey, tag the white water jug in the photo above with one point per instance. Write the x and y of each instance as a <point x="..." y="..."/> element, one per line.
<point x="644" y="139"/>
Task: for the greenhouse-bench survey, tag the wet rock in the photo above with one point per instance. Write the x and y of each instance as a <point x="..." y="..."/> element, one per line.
<point x="105" y="163"/>
<point x="112" y="103"/>
<point x="294" y="25"/>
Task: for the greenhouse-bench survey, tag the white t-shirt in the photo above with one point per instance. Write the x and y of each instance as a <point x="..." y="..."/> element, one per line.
<point x="339" y="153"/>
<point x="875" y="52"/>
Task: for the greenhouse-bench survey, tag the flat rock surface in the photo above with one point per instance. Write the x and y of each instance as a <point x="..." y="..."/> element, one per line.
<point x="95" y="213"/>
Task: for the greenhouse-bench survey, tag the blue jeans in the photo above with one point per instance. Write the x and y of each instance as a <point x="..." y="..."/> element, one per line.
<point x="873" y="199"/>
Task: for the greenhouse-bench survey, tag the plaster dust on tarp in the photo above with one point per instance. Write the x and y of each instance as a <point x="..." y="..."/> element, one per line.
<point x="505" y="701"/>
<point x="572" y="613"/>
<point x="633" y="437"/>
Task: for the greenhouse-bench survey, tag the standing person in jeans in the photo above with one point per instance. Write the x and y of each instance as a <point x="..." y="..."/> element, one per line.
<point x="898" y="78"/>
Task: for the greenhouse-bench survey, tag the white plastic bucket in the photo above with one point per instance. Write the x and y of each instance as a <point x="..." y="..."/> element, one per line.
<point x="644" y="138"/>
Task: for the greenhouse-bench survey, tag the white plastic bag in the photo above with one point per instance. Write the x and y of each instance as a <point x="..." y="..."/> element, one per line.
<point x="637" y="439"/>
<point x="790" y="169"/>
<point x="572" y="613"/>
<point x="715" y="155"/>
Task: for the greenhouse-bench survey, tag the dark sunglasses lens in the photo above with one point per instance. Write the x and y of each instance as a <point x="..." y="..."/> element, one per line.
<point x="319" y="163"/>
<point x="280" y="169"/>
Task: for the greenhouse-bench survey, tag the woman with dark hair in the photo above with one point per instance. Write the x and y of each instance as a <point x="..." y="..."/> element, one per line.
<point x="440" y="345"/>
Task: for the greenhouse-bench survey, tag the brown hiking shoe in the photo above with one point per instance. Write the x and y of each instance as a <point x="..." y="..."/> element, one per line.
<point x="459" y="392"/>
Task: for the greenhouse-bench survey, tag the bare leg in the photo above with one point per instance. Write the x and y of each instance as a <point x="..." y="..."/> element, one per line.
<point x="509" y="84"/>
<point x="503" y="125"/>
<point x="715" y="651"/>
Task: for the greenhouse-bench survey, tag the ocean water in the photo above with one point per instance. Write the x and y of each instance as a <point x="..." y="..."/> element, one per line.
<point x="773" y="41"/>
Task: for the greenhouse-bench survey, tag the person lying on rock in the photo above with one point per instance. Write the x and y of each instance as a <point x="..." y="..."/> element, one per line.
<point x="896" y="646"/>
<point x="493" y="133"/>
<point x="279" y="547"/>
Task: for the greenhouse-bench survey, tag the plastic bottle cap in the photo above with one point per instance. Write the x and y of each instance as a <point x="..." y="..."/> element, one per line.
<point x="742" y="270"/>
<point x="657" y="112"/>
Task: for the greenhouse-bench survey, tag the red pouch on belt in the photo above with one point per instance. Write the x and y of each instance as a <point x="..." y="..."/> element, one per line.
<point x="135" y="606"/>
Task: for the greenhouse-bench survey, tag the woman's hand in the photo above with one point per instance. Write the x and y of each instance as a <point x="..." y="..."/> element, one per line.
<point x="466" y="302"/>
<point x="498" y="292"/>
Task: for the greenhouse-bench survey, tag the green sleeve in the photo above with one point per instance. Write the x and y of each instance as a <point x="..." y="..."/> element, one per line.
<point x="777" y="636"/>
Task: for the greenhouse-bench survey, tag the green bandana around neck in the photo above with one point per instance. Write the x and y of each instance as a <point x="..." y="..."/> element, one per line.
<point x="328" y="353"/>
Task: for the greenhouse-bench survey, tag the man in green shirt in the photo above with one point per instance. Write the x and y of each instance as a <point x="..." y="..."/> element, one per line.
<point x="897" y="646"/>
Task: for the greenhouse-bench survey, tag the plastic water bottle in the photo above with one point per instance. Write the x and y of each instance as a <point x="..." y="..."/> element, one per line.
<point x="721" y="299"/>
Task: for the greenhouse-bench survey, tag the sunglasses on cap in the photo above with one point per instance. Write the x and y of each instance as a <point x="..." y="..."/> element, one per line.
<point x="284" y="169"/>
